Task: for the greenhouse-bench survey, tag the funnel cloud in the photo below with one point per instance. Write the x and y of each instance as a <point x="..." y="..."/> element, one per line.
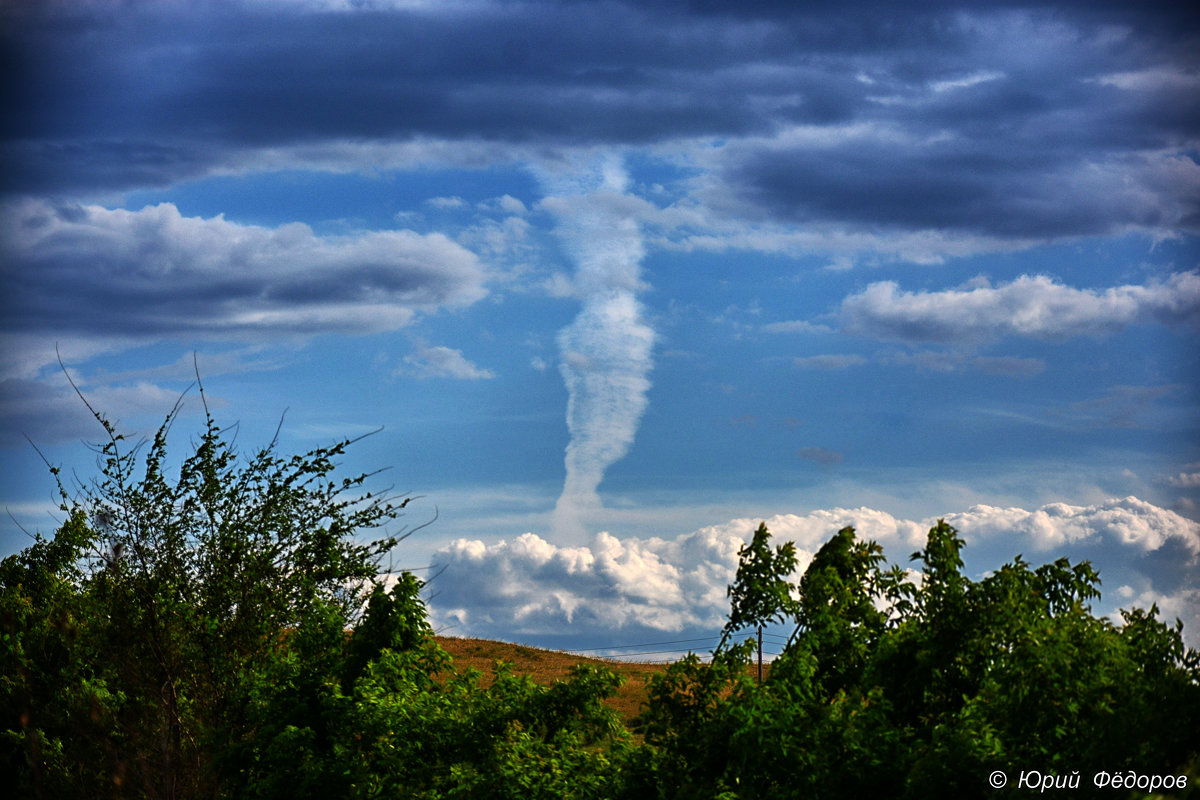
<point x="606" y="352"/>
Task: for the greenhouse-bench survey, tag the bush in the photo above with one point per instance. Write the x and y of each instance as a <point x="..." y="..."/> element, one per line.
<point x="224" y="634"/>
<point x="160" y="599"/>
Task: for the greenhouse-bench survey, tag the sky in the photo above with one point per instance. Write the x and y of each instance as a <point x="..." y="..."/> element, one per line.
<point x="613" y="282"/>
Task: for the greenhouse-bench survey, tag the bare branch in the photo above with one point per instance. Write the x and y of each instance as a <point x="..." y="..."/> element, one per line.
<point x="18" y="524"/>
<point x="437" y="574"/>
<point x="108" y="428"/>
<point x="423" y="525"/>
<point x="278" y="428"/>
<point x="199" y="383"/>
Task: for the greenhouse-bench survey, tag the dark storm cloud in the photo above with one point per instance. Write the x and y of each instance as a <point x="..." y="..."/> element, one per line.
<point x="982" y="188"/>
<point x="596" y="71"/>
<point x="243" y="76"/>
<point x="1018" y="121"/>
<point x="63" y="166"/>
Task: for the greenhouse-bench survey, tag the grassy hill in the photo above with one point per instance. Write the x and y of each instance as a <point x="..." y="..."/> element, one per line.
<point x="547" y="666"/>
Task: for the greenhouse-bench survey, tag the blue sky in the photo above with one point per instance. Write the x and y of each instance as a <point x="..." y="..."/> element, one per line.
<point x="619" y="280"/>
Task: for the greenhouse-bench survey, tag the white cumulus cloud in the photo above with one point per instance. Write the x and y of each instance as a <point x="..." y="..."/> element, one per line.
<point x="634" y="589"/>
<point x="1033" y="306"/>
<point x="530" y="586"/>
<point x="1185" y="480"/>
<point x="1128" y="521"/>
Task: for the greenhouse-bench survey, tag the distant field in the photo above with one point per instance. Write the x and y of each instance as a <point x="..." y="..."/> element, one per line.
<point x="547" y="666"/>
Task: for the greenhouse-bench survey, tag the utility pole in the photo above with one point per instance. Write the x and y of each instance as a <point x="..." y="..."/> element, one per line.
<point x="760" y="653"/>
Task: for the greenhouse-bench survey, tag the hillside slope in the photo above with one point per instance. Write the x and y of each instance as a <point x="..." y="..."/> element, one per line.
<point x="547" y="666"/>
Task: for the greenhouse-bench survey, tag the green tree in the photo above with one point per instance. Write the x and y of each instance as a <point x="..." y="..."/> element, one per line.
<point x="511" y="740"/>
<point x="1015" y="672"/>
<point x="305" y="731"/>
<point x="224" y="633"/>
<point x="901" y="689"/>
<point x="127" y="633"/>
<point x="688" y="724"/>
<point x="760" y="593"/>
<point x="58" y="708"/>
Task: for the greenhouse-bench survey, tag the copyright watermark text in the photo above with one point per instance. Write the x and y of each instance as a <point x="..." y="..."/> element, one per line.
<point x="1047" y="781"/>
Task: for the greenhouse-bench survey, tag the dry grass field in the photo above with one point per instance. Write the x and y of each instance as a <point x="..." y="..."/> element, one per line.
<point x="547" y="666"/>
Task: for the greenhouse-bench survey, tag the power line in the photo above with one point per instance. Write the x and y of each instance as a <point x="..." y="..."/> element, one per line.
<point x="616" y="656"/>
<point x="645" y="653"/>
<point x="606" y="652"/>
<point x="642" y="644"/>
<point x="676" y="650"/>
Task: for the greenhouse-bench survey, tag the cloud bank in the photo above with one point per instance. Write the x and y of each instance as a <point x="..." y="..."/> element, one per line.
<point x="632" y="589"/>
<point x="97" y="272"/>
<point x="956" y="126"/>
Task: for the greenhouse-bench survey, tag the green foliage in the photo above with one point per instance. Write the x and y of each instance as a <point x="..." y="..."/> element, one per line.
<point x="225" y="634"/>
<point x="454" y="738"/>
<point x="128" y="632"/>
<point x="57" y="705"/>
<point x="838" y="612"/>
<point x="393" y="621"/>
<point x="760" y="593"/>
<point x="688" y="722"/>
<point x="890" y="688"/>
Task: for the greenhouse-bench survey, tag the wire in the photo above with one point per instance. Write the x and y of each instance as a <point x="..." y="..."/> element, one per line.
<point x="616" y="656"/>
<point x="642" y="644"/>
<point x="644" y="653"/>
<point x="607" y="651"/>
<point x="611" y="656"/>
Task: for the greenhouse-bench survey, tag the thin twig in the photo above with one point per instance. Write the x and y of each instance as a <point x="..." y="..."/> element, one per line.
<point x="409" y="533"/>
<point x="196" y="368"/>
<point x="108" y="428"/>
<point x="278" y="428"/>
<point x="18" y="524"/>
